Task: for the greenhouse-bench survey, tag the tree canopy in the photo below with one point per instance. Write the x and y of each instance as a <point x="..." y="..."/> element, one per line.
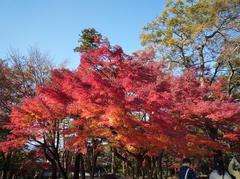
<point x="193" y="33"/>
<point x="129" y="102"/>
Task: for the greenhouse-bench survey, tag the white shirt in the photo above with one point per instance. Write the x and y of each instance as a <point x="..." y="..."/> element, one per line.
<point x="214" y="175"/>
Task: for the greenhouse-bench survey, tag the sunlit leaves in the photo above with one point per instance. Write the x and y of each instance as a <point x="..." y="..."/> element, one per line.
<point x="129" y="101"/>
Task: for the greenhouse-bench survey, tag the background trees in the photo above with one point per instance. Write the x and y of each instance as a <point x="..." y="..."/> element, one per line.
<point x="19" y="75"/>
<point x="194" y="33"/>
<point x="89" y="38"/>
<point x="128" y="103"/>
<point x="137" y="111"/>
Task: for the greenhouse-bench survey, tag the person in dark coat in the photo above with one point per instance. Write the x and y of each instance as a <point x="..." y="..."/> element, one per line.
<point x="186" y="172"/>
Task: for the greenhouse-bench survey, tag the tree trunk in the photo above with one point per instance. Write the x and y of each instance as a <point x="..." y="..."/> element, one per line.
<point x="139" y="165"/>
<point x="155" y="168"/>
<point x="149" y="171"/>
<point x="202" y="64"/>
<point x="4" y="173"/>
<point x="123" y="169"/>
<point x="54" y="170"/>
<point x="10" y="175"/>
<point x="93" y="158"/>
<point x="77" y="166"/>
<point x="133" y="173"/>
<point x="82" y="167"/>
<point x="6" y="165"/>
<point x="160" y="165"/>
<point x="113" y="167"/>
<point x="94" y="161"/>
<point x="62" y="170"/>
<point x="53" y="163"/>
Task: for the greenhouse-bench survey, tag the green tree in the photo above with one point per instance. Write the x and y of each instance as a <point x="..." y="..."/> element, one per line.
<point x="193" y="33"/>
<point x="230" y="59"/>
<point x="89" y="38"/>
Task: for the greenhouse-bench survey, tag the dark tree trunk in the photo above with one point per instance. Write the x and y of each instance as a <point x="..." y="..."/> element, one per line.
<point x="4" y="173"/>
<point x="93" y="158"/>
<point x="54" y="170"/>
<point x="6" y="165"/>
<point x="62" y="170"/>
<point x="82" y="167"/>
<point x="133" y="173"/>
<point x="155" y="168"/>
<point x="53" y="163"/>
<point x="93" y="162"/>
<point x="10" y="176"/>
<point x="148" y="166"/>
<point x="113" y="167"/>
<point x="160" y="165"/>
<point x="139" y="165"/>
<point x="77" y="166"/>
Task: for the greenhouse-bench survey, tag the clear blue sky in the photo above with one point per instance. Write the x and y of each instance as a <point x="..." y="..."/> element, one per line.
<point x="54" y="25"/>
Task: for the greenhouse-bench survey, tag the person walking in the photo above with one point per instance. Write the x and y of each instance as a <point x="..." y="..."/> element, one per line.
<point x="186" y="172"/>
<point x="219" y="171"/>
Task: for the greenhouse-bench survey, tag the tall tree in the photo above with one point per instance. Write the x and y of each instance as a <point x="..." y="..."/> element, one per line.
<point x="228" y="60"/>
<point x="131" y="103"/>
<point x="19" y="75"/>
<point x="89" y="38"/>
<point x="192" y="33"/>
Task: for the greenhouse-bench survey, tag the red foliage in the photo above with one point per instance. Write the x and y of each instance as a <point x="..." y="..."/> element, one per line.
<point x="130" y="101"/>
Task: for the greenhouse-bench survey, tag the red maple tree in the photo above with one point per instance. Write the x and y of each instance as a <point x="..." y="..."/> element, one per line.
<point x="130" y="102"/>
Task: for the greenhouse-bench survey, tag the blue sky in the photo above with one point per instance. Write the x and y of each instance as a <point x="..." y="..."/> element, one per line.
<point x="54" y="25"/>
